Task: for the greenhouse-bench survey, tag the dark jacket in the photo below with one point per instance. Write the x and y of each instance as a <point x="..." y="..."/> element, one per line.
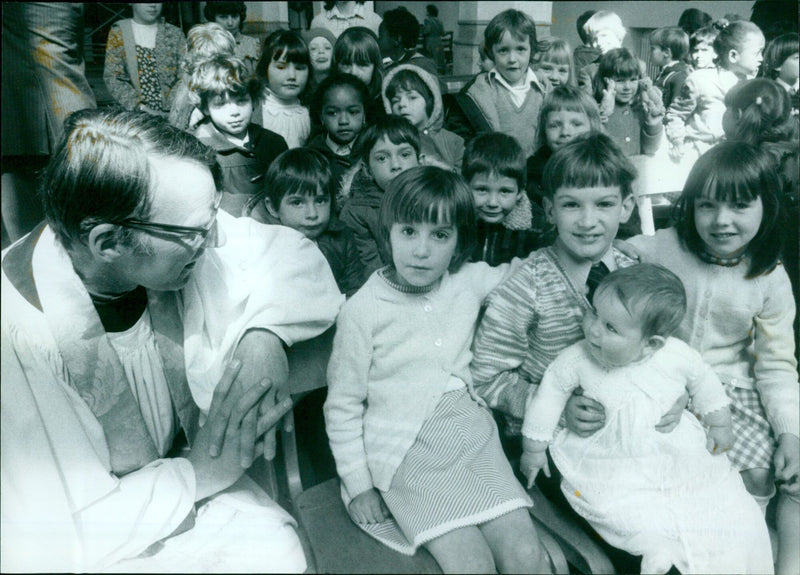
<point x="670" y="80"/>
<point x="242" y="168"/>
<point x="360" y="214"/>
<point x="339" y="164"/>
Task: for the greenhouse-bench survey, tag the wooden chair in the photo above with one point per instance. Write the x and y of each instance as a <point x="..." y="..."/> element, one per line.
<point x="334" y="544"/>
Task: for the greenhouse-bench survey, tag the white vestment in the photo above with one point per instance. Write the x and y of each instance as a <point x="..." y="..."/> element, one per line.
<point x="63" y="508"/>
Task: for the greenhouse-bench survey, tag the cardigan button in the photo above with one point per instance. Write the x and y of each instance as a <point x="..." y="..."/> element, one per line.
<point x="627" y="138"/>
<point x="438" y="342"/>
<point x="427" y="307"/>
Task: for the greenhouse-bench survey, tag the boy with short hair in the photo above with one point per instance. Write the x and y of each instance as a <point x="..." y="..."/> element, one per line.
<point x="413" y="93"/>
<point x="495" y="168"/>
<point x="584" y="54"/>
<point x="669" y="47"/>
<point x="508" y="98"/>
<point x="299" y="192"/>
<point x="701" y="47"/>
<point x="539" y="310"/>
<point x="244" y="150"/>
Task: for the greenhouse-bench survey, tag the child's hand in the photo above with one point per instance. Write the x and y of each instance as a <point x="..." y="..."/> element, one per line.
<point x="787" y="463"/>
<point x="672" y="418"/>
<point x="531" y="462"/>
<point x="583" y="415"/>
<point x="720" y="439"/>
<point x="609" y="98"/>
<point x="368" y="507"/>
<point x="652" y="101"/>
<point x="628" y="249"/>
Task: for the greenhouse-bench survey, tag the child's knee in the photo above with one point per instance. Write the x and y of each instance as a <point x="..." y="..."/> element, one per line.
<point x="759" y="482"/>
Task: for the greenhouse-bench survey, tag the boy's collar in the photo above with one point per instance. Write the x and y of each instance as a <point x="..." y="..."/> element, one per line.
<point x="530" y="79"/>
<point x="338" y="149"/>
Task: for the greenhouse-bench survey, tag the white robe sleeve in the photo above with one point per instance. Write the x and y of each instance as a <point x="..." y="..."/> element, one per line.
<point x="268" y="277"/>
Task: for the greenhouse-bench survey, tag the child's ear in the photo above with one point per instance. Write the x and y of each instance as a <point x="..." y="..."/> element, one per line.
<point x="668" y="52"/>
<point x="271" y="209"/>
<point x="627" y="208"/>
<point x="733" y="55"/>
<point x="654" y="343"/>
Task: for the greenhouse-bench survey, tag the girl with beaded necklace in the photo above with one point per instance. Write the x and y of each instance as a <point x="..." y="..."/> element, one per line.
<point x="725" y="247"/>
<point x="417" y="451"/>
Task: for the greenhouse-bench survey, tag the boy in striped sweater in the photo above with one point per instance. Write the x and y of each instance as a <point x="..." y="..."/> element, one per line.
<point x="539" y="310"/>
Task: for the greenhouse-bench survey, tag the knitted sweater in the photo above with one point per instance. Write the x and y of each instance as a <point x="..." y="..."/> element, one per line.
<point x="627" y="127"/>
<point x="435" y="141"/>
<point x="741" y="327"/>
<point x="530" y="318"/>
<point x="394" y="354"/>
<point x="486" y="106"/>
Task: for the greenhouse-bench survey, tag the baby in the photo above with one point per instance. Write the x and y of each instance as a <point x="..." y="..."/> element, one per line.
<point x="659" y="495"/>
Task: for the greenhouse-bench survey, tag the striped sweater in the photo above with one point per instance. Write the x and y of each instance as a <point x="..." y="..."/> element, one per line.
<point x="530" y="318"/>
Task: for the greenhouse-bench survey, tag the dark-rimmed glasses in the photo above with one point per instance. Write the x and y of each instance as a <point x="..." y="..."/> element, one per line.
<point x="191" y="234"/>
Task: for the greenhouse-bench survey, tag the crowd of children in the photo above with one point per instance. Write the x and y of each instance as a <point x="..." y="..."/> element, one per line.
<point x="479" y="249"/>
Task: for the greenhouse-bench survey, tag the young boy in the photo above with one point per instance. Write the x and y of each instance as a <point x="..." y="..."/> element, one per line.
<point x="669" y="47"/>
<point x="584" y="54"/>
<point x="539" y="310"/>
<point x="701" y="47"/>
<point x="339" y="107"/>
<point x="299" y="192"/>
<point x="244" y="150"/>
<point x="508" y="98"/>
<point x="495" y="169"/>
<point x="382" y="151"/>
<point x="413" y="93"/>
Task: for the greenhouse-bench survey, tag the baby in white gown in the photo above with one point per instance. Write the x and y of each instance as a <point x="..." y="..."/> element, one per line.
<point x="671" y="497"/>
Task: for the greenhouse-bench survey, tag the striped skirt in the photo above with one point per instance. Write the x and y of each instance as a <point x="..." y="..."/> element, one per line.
<point x="454" y="475"/>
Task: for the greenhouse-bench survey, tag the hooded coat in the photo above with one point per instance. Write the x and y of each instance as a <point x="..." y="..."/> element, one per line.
<point x="435" y="141"/>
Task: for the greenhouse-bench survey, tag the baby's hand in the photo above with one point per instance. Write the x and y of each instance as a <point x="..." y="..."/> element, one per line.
<point x="787" y="463"/>
<point x="368" y="507"/>
<point x="720" y="438"/>
<point x="531" y="462"/>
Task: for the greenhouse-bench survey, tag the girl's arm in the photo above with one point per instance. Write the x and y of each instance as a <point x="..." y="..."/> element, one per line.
<point x="345" y="405"/>
<point x="775" y="367"/>
<point x="115" y="73"/>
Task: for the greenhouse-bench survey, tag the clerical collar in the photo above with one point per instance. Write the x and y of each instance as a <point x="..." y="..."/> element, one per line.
<point x="120" y="312"/>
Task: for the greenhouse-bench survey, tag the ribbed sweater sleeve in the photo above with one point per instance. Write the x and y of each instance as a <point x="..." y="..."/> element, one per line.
<point x="501" y="345"/>
<point x="775" y="366"/>
<point x="347" y="394"/>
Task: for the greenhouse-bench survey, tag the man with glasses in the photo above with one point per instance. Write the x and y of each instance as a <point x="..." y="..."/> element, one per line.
<point x="135" y="312"/>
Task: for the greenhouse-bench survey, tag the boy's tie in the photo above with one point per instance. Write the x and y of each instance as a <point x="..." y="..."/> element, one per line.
<point x="596" y="275"/>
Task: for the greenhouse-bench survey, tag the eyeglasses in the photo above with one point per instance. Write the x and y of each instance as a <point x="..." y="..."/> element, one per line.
<point x="190" y="234"/>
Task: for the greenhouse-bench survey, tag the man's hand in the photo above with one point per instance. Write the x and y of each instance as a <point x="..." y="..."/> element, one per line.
<point x="584" y="416"/>
<point x="235" y="412"/>
<point x="787" y="463"/>
<point x="263" y="366"/>
<point x="368" y="507"/>
<point x="672" y="418"/>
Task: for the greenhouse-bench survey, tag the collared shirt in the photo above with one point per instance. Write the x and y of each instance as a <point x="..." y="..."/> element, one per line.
<point x="517" y="93"/>
<point x="338" y="149"/>
<point x="337" y="22"/>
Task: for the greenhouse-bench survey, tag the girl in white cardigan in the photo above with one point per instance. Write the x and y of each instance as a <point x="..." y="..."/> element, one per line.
<point x="725" y="247"/>
<point x="418" y="453"/>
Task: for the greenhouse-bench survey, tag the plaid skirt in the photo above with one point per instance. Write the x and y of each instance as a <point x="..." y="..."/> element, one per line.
<point x="454" y="475"/>
<point x="755" y="443"/>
